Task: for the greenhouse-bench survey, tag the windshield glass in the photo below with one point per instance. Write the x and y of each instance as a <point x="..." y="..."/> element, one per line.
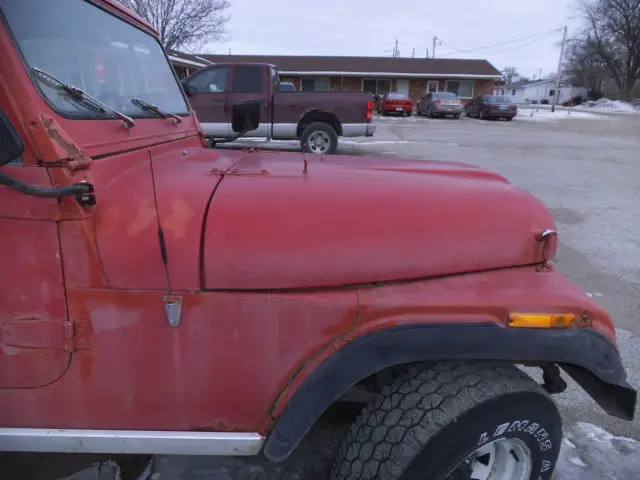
<point x="397" y="96"/>
<point x="81" y="44"/>
<point x="445" y="96"/>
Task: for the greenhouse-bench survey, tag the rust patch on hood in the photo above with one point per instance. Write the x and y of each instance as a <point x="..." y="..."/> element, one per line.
<point x="77" y="160"/>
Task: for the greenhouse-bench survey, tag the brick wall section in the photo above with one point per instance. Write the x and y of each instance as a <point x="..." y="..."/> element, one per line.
<point x="484" y="87"/>
<point x="417" y="86"/>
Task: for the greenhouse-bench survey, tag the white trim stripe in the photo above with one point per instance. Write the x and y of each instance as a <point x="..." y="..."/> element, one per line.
<point x="175" y="59"/>
<point x="129" y="441"/>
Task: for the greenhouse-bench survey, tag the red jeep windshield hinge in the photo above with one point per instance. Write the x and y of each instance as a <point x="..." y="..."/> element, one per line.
<point x="68" y="335"/>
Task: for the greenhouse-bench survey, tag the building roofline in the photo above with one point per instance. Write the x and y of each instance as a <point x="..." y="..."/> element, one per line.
<point x="185" y="61"/>
<point x="386" y="74"/>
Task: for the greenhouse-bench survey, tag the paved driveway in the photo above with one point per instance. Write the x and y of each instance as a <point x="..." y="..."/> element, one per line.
<point x="587" y="171"/>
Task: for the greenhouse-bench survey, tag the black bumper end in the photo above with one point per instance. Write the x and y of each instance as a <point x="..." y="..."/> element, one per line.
<point x="618" y="400"/>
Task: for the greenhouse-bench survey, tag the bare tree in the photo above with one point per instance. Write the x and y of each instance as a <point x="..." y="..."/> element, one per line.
<point x="508" y="73"/>
<point x="614" y="27"/>
<point x="184" y="24"/>
<point x="583" y="65"/>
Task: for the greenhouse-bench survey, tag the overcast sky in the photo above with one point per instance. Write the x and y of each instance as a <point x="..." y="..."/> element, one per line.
<point x="369" y="27"/>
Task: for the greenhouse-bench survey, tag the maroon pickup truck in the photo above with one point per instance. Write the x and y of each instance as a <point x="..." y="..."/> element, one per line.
<point x="316" y="118"/>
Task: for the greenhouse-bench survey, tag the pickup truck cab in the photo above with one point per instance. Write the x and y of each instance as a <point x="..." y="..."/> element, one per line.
<point x="160" y="296"/>
<point x="317" y="119"/>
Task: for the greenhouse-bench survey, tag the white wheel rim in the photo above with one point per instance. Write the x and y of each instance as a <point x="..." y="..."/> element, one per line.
<point x="503" y="459"/>
<point x="319" y="142"/>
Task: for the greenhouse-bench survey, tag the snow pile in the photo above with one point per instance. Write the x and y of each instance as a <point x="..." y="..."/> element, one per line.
<point x="591" y="453"/>
<point x="535" y="115"/>
<point x="613" y="106"/>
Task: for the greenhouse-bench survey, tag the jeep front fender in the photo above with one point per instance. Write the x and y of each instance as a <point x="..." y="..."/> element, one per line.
<point x="587" y="356"/>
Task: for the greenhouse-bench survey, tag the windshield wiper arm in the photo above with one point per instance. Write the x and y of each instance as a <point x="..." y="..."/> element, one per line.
<point x="154" y="108"/>
<point x="80" y="94"/>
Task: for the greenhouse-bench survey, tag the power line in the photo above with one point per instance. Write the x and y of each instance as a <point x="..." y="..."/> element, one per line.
<point x="536" y="37"/>
<point x="519" y="46"/>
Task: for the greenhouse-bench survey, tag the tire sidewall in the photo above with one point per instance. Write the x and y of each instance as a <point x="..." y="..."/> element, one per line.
<point x="323" y="127"/>
<point x="529" y="417"/>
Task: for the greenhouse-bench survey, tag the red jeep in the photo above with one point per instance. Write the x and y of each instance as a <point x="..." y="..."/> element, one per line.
<point x="159" y="296"/>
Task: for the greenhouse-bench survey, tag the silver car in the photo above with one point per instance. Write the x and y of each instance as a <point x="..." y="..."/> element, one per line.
<point x="440" y="104"/>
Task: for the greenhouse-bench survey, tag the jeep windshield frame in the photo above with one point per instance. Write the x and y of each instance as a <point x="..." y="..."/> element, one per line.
<point x="85" y="45"/>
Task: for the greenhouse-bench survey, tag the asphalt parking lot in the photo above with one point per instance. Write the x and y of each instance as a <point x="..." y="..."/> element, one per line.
<point x="587" y="171"/>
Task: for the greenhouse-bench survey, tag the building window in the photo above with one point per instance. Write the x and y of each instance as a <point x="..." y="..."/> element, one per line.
<point x="376" y="86"/>
<point x="552" y="93"/>
<point x="462" y="88"/>
<point x="513" y="92"/>
<point x="314" y="84"/>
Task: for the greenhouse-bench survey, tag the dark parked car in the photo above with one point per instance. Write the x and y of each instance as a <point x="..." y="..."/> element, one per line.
<point x="395" y="103"/>
<point x="286" y="87"/>
<point x="440" y="103"/>
<point x="490" y="107"/>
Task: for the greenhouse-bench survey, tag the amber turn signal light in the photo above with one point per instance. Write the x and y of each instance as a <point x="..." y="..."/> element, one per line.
<point x="541" y="320"/>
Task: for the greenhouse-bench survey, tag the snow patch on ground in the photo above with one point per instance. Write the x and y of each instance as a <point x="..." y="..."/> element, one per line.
<point x="373" y="142"/>
<point x="612" y="106"/>
<point x="535" y="115"/>
<point x="591" y="453"/>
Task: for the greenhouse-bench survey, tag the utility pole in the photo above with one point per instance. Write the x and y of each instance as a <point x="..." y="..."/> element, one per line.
<point x="396" y="50"/>
<point x="433" y="50"/>
<point x="414" y="52"/>
<point x="559" y="73"/>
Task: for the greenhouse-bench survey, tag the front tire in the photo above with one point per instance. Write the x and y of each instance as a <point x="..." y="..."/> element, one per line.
<point x="319" y="138"/>
<point x="454" y="420"/>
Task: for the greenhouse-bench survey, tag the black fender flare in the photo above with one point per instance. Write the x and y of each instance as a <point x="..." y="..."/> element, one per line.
<point x="590" y="358"/>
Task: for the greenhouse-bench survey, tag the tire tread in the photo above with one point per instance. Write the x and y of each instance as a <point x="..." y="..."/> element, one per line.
<point x="391" y="430"/>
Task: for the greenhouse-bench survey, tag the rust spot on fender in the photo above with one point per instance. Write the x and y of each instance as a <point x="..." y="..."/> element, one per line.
<point x="145" y="218"/>
<point x="176" y="223"/>
<point x="109" y="220"/>
<point x="77" y="160"/>
<point x="218" y="426"/>
<point x="86" y="365"/>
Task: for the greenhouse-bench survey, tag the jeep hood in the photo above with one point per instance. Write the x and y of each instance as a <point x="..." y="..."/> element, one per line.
<point x="281" y="221"/>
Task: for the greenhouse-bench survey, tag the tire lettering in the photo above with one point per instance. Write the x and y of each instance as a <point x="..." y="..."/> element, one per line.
<point x="546" y="466"/>
<point x="541" y="435"/>
<point x="518" y="426"/>
<point x="501" y="429"/>
<point x="531" y="429"/>
<point x="546" y="445"/>
<point x="483" y="438"/>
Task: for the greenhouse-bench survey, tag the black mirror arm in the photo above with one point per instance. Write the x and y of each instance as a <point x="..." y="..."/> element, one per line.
<point x="81" y="189"/>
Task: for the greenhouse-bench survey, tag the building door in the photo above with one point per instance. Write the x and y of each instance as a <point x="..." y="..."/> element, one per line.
<point x="402" y="86"/>
<point x="433" y="86"/>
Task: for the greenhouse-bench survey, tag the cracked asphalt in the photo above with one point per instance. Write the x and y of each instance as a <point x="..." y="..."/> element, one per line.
<point x="587" y="171"/>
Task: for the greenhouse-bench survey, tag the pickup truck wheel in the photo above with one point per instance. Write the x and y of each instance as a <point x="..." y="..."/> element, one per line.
<point x="454" y="421"/>
<point x="319" y="138"/>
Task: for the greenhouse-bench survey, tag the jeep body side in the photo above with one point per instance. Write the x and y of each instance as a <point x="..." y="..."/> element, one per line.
<point x="161" y="296"/>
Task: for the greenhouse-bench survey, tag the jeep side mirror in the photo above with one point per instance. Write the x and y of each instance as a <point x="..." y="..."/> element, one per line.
<point x="11" y="146"/>
<point x="245" y="116"/>
<point x="188" y="89"/>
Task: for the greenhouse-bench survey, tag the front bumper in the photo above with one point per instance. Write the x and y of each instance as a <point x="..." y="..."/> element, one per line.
<point x="371" y="129"/>
<point x="394" y="109"/>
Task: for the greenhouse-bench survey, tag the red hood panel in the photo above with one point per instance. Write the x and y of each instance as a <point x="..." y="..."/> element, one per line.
<point x="354" y="220"/>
